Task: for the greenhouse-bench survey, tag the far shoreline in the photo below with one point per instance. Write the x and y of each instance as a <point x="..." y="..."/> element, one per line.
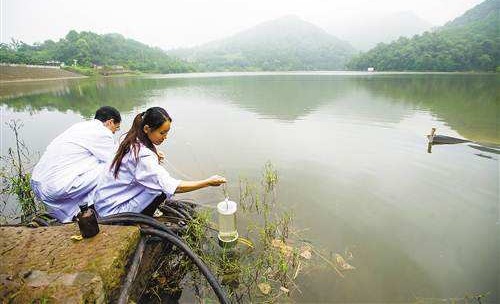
<point x="253" y="73"/>
<point x="41" y="79"/>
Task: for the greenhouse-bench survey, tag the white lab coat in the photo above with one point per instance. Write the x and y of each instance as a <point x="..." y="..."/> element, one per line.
<point x="138" y="182"/>
<point x="69" y="169"/>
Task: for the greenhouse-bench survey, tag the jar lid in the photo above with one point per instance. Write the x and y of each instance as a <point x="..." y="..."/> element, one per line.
<point x="226" y="207"/>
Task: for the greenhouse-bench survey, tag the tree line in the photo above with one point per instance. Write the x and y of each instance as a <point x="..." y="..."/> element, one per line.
<point x="468" y="43"/>
<point x="89" y="49"/>
<point x="432" y="52"/>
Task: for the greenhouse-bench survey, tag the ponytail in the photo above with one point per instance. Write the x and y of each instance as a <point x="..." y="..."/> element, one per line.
<point x="153" y="117"/>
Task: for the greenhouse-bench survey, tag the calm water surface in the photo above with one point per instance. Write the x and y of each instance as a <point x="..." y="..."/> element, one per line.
<point x="352" y="158"/>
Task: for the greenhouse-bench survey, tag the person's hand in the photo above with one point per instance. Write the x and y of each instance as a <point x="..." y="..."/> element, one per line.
<point x="161" y="155"/>
<point x="216" y="180"/>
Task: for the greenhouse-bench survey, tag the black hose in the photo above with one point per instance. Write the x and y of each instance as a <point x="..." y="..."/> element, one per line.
<point x="184" y="210"/>
<point x="199" y="263"/>
<point x="168" y="209"/>
<point x="134" y="214"/>
<point x="41" y="221"/>
<point x="190" y="203"/>
<point x="167" y="233"/>
<point x="184" y="205"/>
<point x="132" y="273"/>
<point x="136" y="218"/>
<point x="129" y="220"/>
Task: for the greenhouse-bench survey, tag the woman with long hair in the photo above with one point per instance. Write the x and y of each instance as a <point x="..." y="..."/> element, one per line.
<point x="135" y="181"/>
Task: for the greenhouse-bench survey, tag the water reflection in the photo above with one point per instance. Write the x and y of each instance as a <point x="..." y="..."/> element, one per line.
<point x="489" y="152"/>
<point x="81" y="96"/>
<point x="466" y="103"/>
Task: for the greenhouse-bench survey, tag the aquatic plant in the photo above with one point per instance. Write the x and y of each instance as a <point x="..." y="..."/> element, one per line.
<point x="15" y="176"/>
<point x="264" y="264"/>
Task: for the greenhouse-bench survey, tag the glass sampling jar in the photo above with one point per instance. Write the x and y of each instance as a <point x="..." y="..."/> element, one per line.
<point x="227" y="221"/>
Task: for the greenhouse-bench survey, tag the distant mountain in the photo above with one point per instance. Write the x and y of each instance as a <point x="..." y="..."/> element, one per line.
<point x="366" y="32"/>
<point x="287" y="43"/>
<point x="89" y="48"/>
<point x="484" y="15"/>
<point x="470" y="42"/>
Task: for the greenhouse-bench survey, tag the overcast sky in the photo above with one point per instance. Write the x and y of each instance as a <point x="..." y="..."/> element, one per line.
<point x="179" y="23"/>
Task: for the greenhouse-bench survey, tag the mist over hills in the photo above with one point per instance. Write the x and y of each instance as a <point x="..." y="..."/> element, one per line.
<point x="287" y="43"/>
<point x="485" y="14"/>
<point x="365" y="32"/>
<point x="470" y="42"/>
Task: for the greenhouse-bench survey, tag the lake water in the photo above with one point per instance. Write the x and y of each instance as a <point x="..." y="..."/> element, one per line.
<point x="352" y="158"/>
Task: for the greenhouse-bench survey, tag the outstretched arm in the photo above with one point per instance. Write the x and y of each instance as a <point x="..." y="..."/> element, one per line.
<point x="187" y="186"/>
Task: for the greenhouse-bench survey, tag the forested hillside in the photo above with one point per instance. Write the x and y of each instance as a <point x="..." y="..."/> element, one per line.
<point x="90" y="48"/>
<point x="284" y="44"/>
<point x="471" y="42"/>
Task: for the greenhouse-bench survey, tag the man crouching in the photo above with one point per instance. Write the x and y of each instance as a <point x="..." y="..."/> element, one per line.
<point x="69" y="168"/>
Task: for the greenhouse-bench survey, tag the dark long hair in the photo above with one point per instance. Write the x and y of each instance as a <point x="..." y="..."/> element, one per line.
<point x="153" y="117"/>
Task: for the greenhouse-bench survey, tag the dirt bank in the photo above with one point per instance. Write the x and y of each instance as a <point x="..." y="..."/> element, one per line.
<point x="17" y="73"/>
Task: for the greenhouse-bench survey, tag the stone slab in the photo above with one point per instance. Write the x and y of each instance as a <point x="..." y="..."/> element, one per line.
<point x="46" y="265"/>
